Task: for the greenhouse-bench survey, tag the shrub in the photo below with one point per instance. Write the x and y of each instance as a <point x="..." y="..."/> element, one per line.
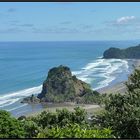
<point x="74" y="131"/>
<point x="122" y="112"/>
<point x="10" y="127"/>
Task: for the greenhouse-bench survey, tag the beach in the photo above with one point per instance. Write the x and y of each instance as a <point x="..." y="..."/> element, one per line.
<point x="119" y="87"/>
<point x="26" y="66"/>
<point x="90" y="108"/>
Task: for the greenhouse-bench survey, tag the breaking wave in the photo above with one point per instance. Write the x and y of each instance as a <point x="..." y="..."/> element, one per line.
<point x="11" y="98"/>
<point x="102" y="71"/>
<point x="99" y="73"/>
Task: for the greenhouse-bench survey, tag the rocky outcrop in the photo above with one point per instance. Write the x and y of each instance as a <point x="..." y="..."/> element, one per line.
<point x="31" y="100"/>
<point x="128" y="53"/>
<point x="61" y="86"/>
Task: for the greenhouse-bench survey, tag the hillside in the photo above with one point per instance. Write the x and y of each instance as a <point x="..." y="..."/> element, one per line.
<point x="128" y="53"/>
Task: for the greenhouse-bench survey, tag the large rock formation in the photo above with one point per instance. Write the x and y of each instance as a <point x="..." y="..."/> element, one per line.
<point x="129" y="53"/>
<point x="61" y="86"/>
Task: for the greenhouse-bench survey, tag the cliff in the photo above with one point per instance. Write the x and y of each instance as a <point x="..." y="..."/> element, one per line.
<point x="128" y="53"/>
<point x="61" y="86"/>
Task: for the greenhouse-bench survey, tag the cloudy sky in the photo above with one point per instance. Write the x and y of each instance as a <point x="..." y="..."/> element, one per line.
<point x="65" y="21"/>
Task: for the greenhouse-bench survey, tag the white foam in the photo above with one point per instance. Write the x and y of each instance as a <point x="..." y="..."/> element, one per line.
<point x="92" y="65"/>
<point x="100" y="57"/>
<point x="102" y="68"/>
<point x="16" y="107"/>
<point x="76" y="72"/>
<point x="10" y="98"/>
<point x="9" y="102"/>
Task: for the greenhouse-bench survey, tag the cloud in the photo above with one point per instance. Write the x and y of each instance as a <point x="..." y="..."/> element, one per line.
<point x="81" y="28"/>
<point x="26" y="25"/>
<point x="124" y="20"/>
<point x="10" y="30"/>
<point x="55" y="30"/>
<point x="66" y="22"/>
<point x="11" y="10"/>
<point x="16" y="23"/>
<point x="86" y="26"/>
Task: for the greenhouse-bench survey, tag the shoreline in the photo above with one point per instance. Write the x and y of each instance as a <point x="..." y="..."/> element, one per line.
<point x="120" y="86"/>
<point x="90" y="108"/>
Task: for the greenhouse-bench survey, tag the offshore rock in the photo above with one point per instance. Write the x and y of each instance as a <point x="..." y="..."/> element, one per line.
<point x="61" y="86"/>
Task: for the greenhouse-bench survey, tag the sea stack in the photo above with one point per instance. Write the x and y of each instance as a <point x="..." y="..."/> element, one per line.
<point x="61" y="86"/>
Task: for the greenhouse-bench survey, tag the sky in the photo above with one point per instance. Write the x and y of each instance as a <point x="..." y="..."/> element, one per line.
<point x="69" y="21"/>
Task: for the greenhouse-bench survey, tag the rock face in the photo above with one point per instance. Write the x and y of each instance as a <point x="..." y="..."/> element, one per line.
<point x="31" y="100"/>
<point x="61" y="86"/>
<point x="129" y="53"/>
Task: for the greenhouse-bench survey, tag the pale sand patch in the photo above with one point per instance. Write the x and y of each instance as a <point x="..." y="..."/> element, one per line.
<point x="117" y="88"/>
<point x="88" y="107"/>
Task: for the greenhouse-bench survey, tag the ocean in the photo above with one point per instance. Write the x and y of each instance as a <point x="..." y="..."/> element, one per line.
<point x="24" y="67"/>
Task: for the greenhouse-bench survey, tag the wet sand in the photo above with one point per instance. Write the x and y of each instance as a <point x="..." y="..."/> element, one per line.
<point x="90" y="108"/>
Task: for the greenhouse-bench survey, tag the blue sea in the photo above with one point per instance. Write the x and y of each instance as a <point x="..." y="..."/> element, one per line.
<point x="24" y="67"/>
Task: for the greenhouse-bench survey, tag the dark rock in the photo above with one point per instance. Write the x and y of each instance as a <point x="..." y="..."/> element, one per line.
<point x="31" y="100"/>
<point x="61" y="86"/>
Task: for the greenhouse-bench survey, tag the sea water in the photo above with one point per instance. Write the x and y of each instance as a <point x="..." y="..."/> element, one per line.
<point x="24" y="67"/>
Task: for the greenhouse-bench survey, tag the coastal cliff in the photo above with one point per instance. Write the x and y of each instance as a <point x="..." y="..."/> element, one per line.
<point x="61" y="86"/>
<point x="128" y="53"/>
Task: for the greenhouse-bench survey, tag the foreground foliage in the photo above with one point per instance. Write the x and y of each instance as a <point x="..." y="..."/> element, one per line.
<point x="10" y="127"/>
<point x="61" y="124"/>
<point x="74" y="131"/>
<point x="122" y="112"/>
<point x="120" y="119"/>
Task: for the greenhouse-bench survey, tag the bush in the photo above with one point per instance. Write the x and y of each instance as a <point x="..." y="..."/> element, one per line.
<point x="10" y="127"/>
<point x="74" y="131"/>
<point x="60" y="118"/>
<point x="31" y="128"/>
<point x="122" y="112"/>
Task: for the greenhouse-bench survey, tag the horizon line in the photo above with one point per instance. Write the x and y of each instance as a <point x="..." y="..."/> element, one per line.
<point x="66" y="40"/>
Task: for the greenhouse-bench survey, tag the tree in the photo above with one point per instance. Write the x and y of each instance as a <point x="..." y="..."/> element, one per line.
<point x="10" y="127"/>
<point x="75" y="131"/>
<point x="134" y="80"/>
<point x="122" y="112"/>
<point x="31" y="128"/>
<point x="60" y="118"/>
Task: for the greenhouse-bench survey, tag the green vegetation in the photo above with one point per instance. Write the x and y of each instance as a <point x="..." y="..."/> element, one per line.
<point x="74" y="131"/>
<point x="119" y="118"/>
<point x="61" y="124"/>
<point x="122" y="112"/>
<point x="129" y="53"/>
<point x="10" y="127"/>
<point x="60" y="86"/>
